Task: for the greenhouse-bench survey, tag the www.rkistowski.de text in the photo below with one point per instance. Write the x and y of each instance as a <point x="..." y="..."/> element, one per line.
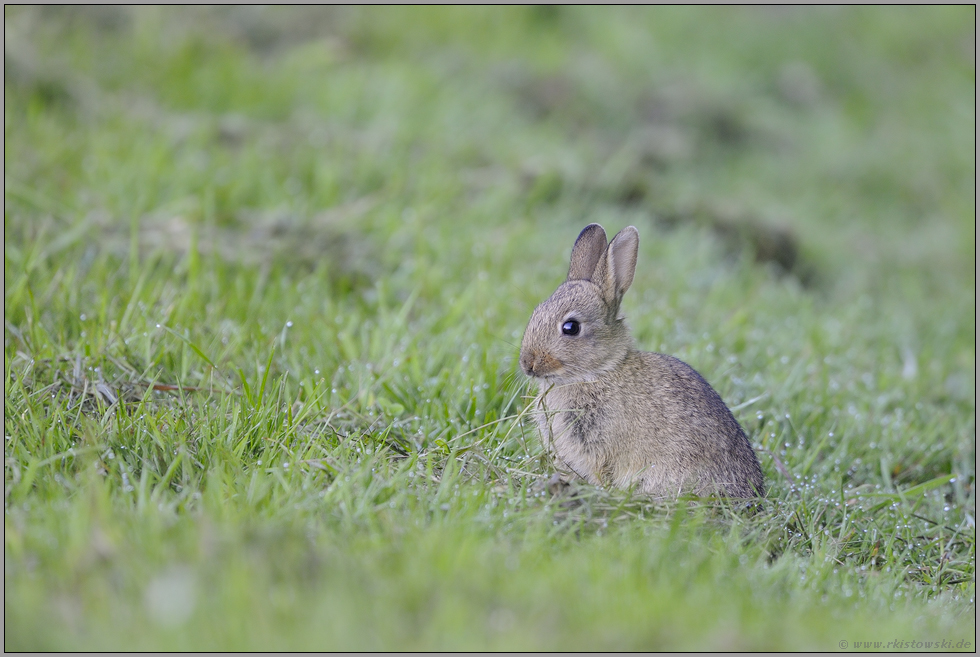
<point x="898" y="644"/>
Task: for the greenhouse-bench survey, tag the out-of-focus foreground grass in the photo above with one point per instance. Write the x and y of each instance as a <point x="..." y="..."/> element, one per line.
<point x="266" y="271"/>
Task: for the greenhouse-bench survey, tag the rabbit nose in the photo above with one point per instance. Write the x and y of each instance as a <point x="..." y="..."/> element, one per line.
<point x="539" y="364"/>
<point x="527" y="364"/>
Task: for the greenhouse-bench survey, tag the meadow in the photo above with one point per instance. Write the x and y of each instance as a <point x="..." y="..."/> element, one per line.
<point x="266" y="272"/>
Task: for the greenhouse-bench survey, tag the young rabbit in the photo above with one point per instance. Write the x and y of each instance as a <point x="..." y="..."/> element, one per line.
<point x="616" y="416"/>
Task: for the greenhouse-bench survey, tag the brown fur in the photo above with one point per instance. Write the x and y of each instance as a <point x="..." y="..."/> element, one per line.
<point x="614" y="415"/>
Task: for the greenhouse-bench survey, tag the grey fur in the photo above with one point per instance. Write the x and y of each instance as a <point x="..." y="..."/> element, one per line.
<point x="614" y="415"/>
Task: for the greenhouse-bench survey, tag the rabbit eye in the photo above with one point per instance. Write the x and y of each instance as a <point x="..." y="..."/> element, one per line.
<point x="571" y="327"/>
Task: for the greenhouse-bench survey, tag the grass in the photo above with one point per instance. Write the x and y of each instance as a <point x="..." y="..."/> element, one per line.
<point x="266" y="271"/>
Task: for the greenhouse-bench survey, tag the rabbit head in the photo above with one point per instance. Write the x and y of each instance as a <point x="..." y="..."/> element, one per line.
<point x="577" y="333"/>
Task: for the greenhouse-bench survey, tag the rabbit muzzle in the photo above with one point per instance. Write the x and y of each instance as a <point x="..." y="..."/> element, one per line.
<point x="539" y="364"/>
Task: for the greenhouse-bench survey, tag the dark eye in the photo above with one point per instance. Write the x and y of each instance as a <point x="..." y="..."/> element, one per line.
<point x="571" y="327"/>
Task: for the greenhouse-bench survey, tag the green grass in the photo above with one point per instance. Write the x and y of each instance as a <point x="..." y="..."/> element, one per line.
<point x="265" y="277"/>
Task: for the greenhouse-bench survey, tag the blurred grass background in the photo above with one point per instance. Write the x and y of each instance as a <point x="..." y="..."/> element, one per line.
<point x="266" y="270"/>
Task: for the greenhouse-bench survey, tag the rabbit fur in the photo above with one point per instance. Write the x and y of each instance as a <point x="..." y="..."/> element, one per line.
<point x="616" y="416"/>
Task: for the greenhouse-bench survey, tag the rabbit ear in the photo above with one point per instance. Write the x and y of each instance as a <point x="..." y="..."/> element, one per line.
<point x="586" y="253"/>
<point x="614" y="273"/>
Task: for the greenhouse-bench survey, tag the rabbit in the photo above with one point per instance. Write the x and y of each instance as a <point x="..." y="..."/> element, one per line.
<point x="616" y="416"/>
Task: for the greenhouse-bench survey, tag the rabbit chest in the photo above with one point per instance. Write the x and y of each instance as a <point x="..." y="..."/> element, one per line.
<point x="589" y="435"/>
